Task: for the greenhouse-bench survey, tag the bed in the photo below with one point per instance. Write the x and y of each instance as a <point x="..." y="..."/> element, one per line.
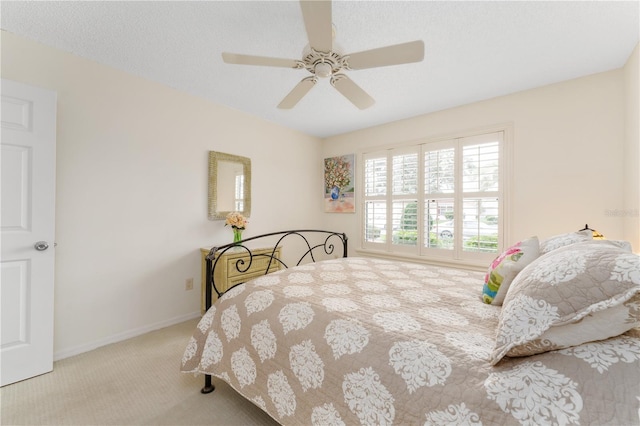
<point x="357" y="340"/>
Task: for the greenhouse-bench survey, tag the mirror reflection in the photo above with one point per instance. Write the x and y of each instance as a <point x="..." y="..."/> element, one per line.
<point x="229" y="185"/>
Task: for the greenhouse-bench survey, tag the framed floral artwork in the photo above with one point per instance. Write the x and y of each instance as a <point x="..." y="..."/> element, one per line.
<point x="339" y="184"/>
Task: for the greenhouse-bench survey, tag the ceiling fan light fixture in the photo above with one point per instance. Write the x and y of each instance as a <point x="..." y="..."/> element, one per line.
<point x="323" y="69"/>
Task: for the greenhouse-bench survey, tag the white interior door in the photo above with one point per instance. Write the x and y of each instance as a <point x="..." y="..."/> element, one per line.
<point x="27" y="158"/>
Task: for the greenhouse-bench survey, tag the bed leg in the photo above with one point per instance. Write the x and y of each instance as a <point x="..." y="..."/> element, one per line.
<point x="208" y="386"/>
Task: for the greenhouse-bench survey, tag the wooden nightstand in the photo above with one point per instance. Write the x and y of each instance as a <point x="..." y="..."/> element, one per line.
<point x="226" y="274"/>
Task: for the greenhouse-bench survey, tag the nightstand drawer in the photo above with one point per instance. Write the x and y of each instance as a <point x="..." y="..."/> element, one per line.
<point x="258" y="267"/>
<point x="227" y="274"/>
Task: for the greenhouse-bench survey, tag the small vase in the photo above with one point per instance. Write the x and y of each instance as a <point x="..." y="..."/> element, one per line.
<point x="335" y="193"/>
<point x="237" y="235"/>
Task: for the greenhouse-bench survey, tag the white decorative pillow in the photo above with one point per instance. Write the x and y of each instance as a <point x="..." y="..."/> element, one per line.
<point x="505" y="267"/>
<point x="575" y="294"/>
<point x="562" y="240"/>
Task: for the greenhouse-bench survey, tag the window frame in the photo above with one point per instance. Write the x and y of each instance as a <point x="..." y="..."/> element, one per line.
<point x="420" y="252"/>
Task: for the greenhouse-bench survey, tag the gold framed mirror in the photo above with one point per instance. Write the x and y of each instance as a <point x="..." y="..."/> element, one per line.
<point x="229" y="185"/>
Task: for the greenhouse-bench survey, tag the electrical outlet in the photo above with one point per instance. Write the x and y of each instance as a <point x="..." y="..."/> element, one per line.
<point x="188" y="284"/>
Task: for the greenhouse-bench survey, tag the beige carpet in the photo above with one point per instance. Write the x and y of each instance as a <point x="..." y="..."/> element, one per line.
<point x="135" y="382"/>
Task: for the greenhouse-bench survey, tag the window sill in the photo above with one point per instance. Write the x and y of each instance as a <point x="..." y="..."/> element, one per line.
<point x="451" y="263"/>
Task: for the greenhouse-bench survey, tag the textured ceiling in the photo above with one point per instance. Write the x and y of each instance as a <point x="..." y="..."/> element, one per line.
<point x="473" y="50"/>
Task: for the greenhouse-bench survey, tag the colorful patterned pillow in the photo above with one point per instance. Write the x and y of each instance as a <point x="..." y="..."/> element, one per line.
<point x="505" y="267"/>
<point x="575" y="294"/>
<point x="562" y="240"/>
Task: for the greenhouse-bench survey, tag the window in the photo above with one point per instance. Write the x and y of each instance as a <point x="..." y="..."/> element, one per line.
<point x="239" y="192"/>
<point x="440" y="199"/>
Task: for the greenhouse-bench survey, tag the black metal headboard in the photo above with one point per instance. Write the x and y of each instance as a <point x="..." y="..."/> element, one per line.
<point x="314" y="243"/>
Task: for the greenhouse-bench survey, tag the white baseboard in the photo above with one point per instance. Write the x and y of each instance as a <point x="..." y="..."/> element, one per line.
<point x="123" y="336"/>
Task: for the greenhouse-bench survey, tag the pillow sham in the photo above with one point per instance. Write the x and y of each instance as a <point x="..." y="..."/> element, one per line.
<point x="505" y="267"/>
<point x="562" y="240"/>
<point x="575" y="294"/>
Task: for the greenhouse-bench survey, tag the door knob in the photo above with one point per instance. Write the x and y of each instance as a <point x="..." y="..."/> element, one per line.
<point x="41" y="245"/>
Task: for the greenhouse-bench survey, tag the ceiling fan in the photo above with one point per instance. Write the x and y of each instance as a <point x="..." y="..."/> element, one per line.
<point x="323" y="58"/>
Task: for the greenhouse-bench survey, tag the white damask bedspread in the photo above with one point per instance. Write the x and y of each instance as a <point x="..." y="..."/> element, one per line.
<point x="366" y="341"/>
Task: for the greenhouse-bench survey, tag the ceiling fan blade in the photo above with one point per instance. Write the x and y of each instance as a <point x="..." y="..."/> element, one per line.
<point x="396" y="54"/>
<point x="234" y="58"/>
<point x="317" y="20"/>
<point x="297" y="93"/>
<point x="352" y="91"/>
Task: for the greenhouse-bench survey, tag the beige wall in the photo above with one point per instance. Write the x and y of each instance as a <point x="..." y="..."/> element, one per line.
<point x="631" y="212"/>
<point x="131" y="202"/>
<point x="568" y="153"/>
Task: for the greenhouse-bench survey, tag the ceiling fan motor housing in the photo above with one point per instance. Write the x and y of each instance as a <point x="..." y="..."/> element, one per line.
<point x="323" y="64"/>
